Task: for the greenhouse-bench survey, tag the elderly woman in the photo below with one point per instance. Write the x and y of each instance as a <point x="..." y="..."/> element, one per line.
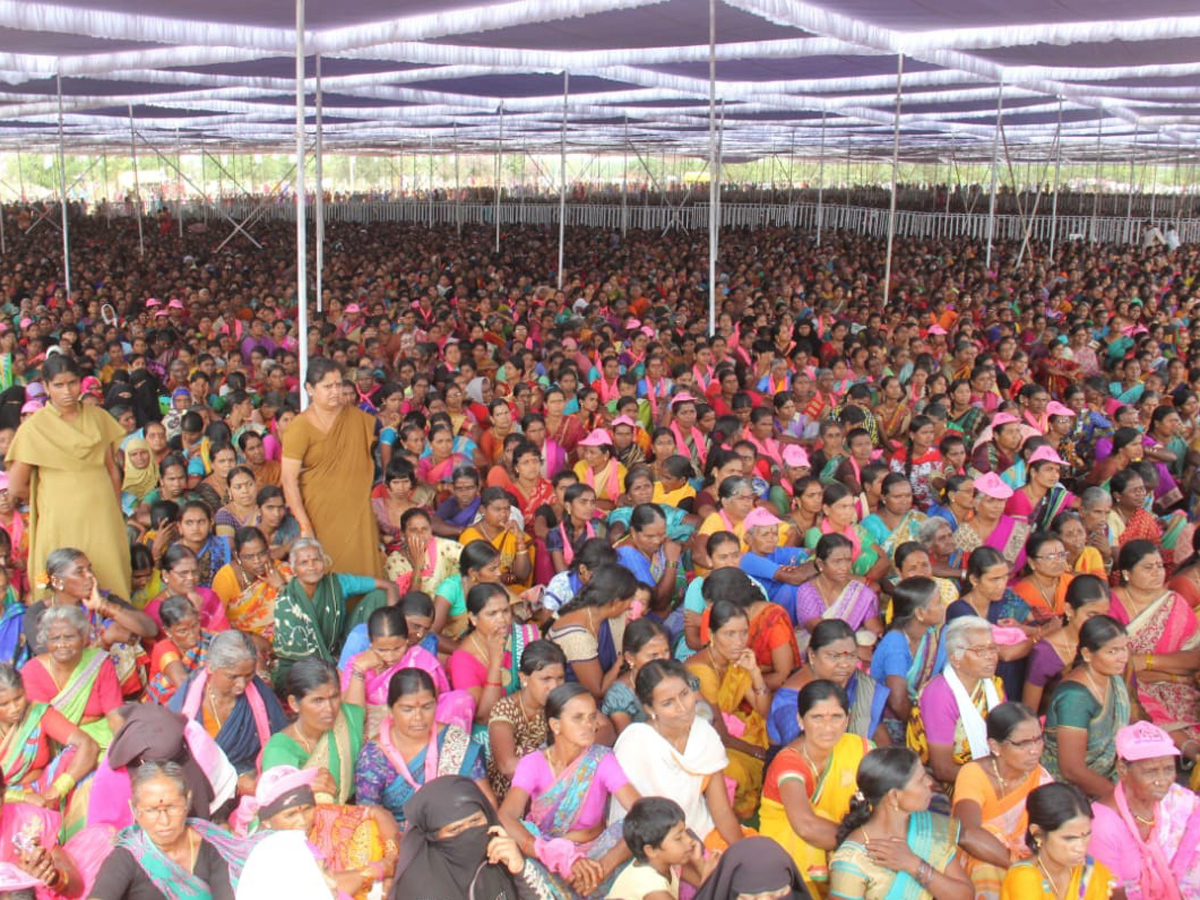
<point x="250" y="583"/>
<point x="166" y="854"/>
<point x="1148" y="832"/>
<point x="77" y="680"/>
<point x="235" y="706"/>
<point x="311" y="613"/>
<point x="948" y="727"/>
<point x="182" y="651"/>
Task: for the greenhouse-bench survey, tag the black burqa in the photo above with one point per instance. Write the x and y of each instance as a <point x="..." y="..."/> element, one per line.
<point x="754" y="865"/>
<point x="455" y="868"/>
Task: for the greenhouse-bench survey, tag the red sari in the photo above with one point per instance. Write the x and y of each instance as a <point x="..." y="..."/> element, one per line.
<point x="568" y="433"/>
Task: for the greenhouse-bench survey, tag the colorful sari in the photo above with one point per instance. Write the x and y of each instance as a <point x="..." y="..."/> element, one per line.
<point x="1026" y="881"/>
<point x="772" y="627"/>
<point x="1073" y="706"/>
<point x="854" y="605"/>
<point x="1167" y="625"/>
<point x="435" y="473"/>
<point x="829" y="791"/>
<point x="891" y="538"/>
<point x="931" y="837"/>
<point x="160" y="688"/>
<point x="1143" y="526"/>
<point x="72" y="699"/>
<point x="1166" y="866"/>
<point x="506" y="544"/>
<point x="1005" y="817"/>
<point x="453" y="707"/>
<point x="253" y="608"/>
<point x="1008" y="537"/>
<point x="348" y="840"/>
<point x="243" y="735"/>
<point x="730" y="697"/>
<point x="336" y="751"/>
<point x="946" y="698"/>
<point x="175" y="882"/>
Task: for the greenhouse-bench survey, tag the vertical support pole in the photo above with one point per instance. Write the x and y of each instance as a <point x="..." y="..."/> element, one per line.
<point x="21" y="173"/>
<point x="1096" y="192"/>
<point x="107" y="195"/>
<point x="204" y="181"/>
<point x="3" y="247"/>
<point x="62" y="190"/>
<point x="792" y="171"/>
<point x="820" y="181"/>
<point x="891" y="235"/>
<point x="499" y="168"/>
<point x="1057" y="170"/>
<point x="562" y="179"/>
<point x="991" y="226"/>
<point x="1132" y="176"/>
<point x="179" y="183"/>
<point x="137" y="188"/>
<point x="1154" y="176"/>
<point x="301" y="210"/>
<point x="714" y="190"/>
<point x="457" y="190"/>
<point x="625" y="182"/>
<point x="319" y="203"/>
<point x="431" y="179"/>
<point x="524" y="188"/>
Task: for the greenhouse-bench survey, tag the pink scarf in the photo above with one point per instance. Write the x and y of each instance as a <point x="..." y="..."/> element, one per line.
<point x="652" y="392"/>
<point x="768" y="448"/>
<point x="262" y="723"/>
<point x="611" y="488"/>
<point x="568" y="550"/>
<point x="608" y="392"/>
<point x="1158" y="880"/>
<point x="703" y="376"/>
<point x="697" y="439"/>
<point x="850" y="533"/>
<point x="397" y="761"/>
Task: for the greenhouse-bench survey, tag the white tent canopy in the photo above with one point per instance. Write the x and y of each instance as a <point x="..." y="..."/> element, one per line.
<point x="408" y="73"/>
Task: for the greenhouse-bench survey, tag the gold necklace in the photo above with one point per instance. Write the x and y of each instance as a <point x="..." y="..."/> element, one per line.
<point x="1100" y="689"/>
<point x="1053" y="884"/>
<point x="816" y="770"/>
<point x="212" y="704"/>
<point x="1000" y="778"/>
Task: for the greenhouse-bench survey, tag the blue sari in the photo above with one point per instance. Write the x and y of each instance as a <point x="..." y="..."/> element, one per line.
<point x="933" y="838"/>
<point x="239" y="734"/>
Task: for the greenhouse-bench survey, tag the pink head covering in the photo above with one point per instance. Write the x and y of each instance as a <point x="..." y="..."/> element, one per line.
<point x="279" y="788"/>
<point x="1003" y="419"/>
<point x="683" y="397"/>
<point x="153" y="302"/>
<point x="937" y="329"/>
<point x="990" y="485"/>
<point x="1046" y="454"/>
<point x="31" y="406"/>
<point x="175" y="303"/>
<point x="1144" y="740"/>
<point x="759" y="516"/>
<point x="352" y="308"/>
<point x="597" y="438"/>
<point x="1054" y="408"/>
<point x="13" y="878"/>
<point x="624" y="420"/>
<point x="794" y="456"/>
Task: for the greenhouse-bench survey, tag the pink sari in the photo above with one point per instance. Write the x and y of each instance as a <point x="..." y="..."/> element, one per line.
<point x="1167" y="625"/>
<point x="453" y="707"/>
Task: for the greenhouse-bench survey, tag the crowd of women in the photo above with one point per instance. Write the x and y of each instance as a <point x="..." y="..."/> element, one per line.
<point x="554" y="594"/>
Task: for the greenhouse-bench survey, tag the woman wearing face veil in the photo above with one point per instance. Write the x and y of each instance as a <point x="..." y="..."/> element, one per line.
<point x="456" y="849"/>
<point x="755" y="867"/>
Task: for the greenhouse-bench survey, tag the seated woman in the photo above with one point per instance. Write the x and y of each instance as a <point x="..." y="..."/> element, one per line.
<point x="756" y="867"/>
<point x="1148" y="831"/>
<point x="236" y="707"/>
<point x="391" y="650"/>
<point x="413" y="748"/>
<point x="639" y="489"/>
<point x="989" y="526"/>
<point x="423" y="561"/>
<point x="991" y="792"/>
<point x="517" y="725"/>
<point x="894" y="521"/>
<point x="181" y="578"/>
<point x="180" y="653"/>
<point x="496" y="527"/>
<point x="145" y="865"/>
<point x="565" y="789"/>
<point x="841" y="520"/>
<point x="652" y="558"/>
<point x="676" y="754"/>
<point x="644" y="640"/>
<point x="213" y="489"/>
<point x="835" y="593"/>
<point x="400" y="482"/>
<point x="79" y="681"/>
<point x="778" y="570"/>
<point x="1087" y="708"/>
<point x="947" y="725"/>
<point x="457" y="512"/>
<point x="809" y="783"/>
<point x="579" y="524"/>
<point x="479" y="563"/>
<point x="832" y="656"/>
<point x="599" y="469"/>
<point x="311" y="612"/>
<point x="1164" y="644"/>
<point x="1060" y="820"/>
<point x="772" y="635"/>
<point x="356" y="846"/>
<point x="890" y="844"/>
<point x="34" y="770"/>
<point x="912" y="651"/>
<point x="733" y="685"/>
<point x="488" y="659"/>
<point x="1047" y="576"/>
<point x="605" y="598"/>
<point x="249" y="584"/>
<point x="438" y="468"/>
<point x="455" y="847"/>
<point x="327" y="733"/>
<point x="241" y="510"/>
<point x="196" y="533"/>
<point x="1087" y="596"/>
<point x="72" y="583"/>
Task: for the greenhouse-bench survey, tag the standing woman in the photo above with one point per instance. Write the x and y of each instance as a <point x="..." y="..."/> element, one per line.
<point x="62" y="460"/>
<point x="327" y="473"/>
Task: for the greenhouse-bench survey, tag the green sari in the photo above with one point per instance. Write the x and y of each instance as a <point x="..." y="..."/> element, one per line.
<point x="308" y="626"/>
<point x="1072" y="705"/>
<point x="335" y="750"/>
<point x="933" y="838"/>
<point x="72" y="700"/>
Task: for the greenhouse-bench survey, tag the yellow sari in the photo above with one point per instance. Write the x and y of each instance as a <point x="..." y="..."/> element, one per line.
<point x="828" y="791"/>
<point x="506" y="543"/>
<point x="1025" y="881"/>
<point x="730" y="697"/>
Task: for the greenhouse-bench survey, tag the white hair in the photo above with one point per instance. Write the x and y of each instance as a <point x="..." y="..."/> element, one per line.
<point x="957" y="636"/>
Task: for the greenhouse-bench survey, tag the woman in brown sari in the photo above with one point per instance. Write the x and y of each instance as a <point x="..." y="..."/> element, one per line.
<point x="328" y="470"/>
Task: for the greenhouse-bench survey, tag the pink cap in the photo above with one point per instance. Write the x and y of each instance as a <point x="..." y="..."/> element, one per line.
<point x="26" y="322"/>
<point x="1144" y="740"/>
<point x="1055" y="408"/>
<point x="624" y="420"/>
<point x="175" y="303"/>
<point x="158" y="313"/>
<point x="597" y="438"/>
<point x="937" y="329"/>
<point x="1003" y="419"/>
<point x="153" y="302"/>
<point x="353" y="308"/>
<point x="794" y="456"/>
<point x="279" y="780"/>
<point x="31" y="406"/>
<point x="648" y="331"/>
<point x="3" y="481"/>
<point x="91" y="385"/>
<point x="683" y="397"/>
<point x="570" y="344"/>
<point x="1046" y="453"/>
<point x="759" y="516"/>
<point x="632" y="323"/>
<point x="990" y="485"/>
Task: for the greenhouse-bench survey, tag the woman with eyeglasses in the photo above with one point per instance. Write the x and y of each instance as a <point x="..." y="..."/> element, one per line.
<point x="991" y="792"/>
<point x="1044" y="585"/>
<point x="1087" y="596"/>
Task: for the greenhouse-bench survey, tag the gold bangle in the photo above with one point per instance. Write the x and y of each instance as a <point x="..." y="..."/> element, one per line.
<point x="1149" y="661"/>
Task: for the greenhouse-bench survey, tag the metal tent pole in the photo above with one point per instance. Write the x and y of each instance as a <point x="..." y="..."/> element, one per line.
<point x="62" y="182"/>
<point x="1096" y="192"/>
<point x="991" y="226"/>
<point x="1154" y="177"/>
<point x="820" y="181"/>
<point x="21" y="174"/>
<point x="301" y="210"/>
<point x="714" y="191"/>
<point x="137" y="188"/>
<point x="1132" y="176"/>
<point x="179" y="183"/>
<point x="625" y="182"/>
<point x="499" y="164"/>
<point x="431" y="179"/>
<point x="562" y="179"/>
<point x="1057" y="170"/>
<point x="457" y="189"/>
<point x="107" y="196"/>
<point x="891" y="235"/>
<point x="204" y="183"/>
<point x="319" y="200"/>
